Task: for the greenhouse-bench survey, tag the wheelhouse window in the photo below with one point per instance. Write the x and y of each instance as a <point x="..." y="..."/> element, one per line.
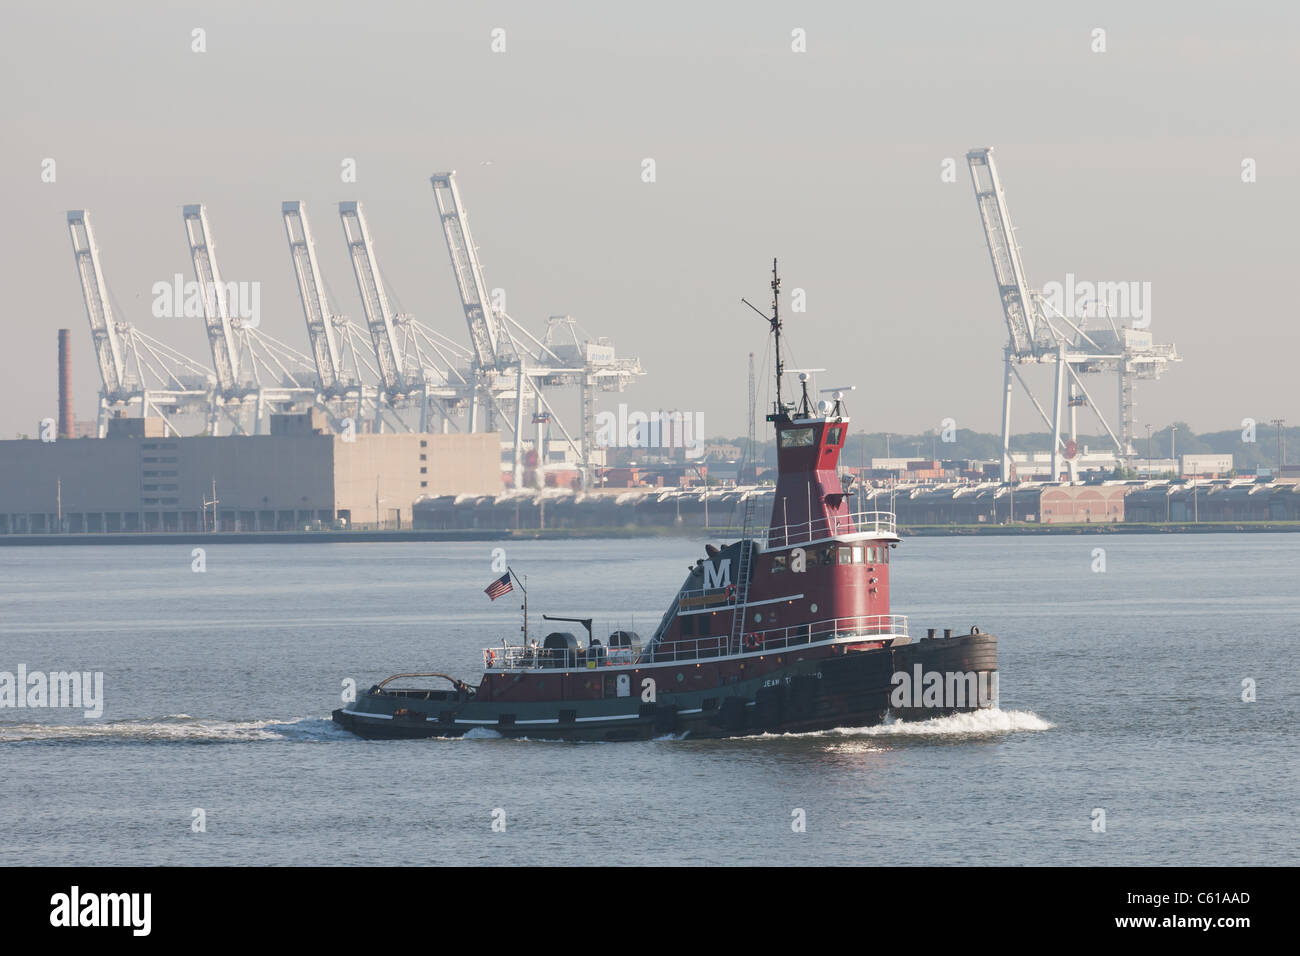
<point x="858" y="554"/>
<point x="846" y="555"/>
<point x="797" y="437"/>
<point x="778" y="563"/>
<point x="833" y="437"/>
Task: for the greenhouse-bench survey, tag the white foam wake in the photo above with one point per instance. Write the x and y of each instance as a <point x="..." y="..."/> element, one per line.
<point x="180" y="728"/>
<point x="976" y="723"/>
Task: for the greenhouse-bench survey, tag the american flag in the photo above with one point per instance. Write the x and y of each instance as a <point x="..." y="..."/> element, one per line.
<point x="499" y="587"/>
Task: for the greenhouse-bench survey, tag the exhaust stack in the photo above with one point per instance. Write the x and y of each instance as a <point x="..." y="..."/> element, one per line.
<point x="65" y="384"/>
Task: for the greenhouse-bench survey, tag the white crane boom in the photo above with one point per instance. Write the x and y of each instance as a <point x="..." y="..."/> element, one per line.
<point x="379" y="316"/>
<point x="109" y="348"/>
<point x="1013" y="289"/>
<point x="216" y="315"/>
<point x="479" y="315"/>
<point x="315" y="309"/>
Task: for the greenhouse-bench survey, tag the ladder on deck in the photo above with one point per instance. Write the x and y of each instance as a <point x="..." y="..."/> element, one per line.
<point x="742" y="579"/>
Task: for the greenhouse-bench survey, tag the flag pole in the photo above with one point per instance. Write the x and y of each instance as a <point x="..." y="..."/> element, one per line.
<point x="525" y="590"/>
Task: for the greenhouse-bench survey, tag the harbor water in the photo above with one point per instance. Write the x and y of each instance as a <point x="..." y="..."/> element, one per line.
<point x="1150" y="695"/>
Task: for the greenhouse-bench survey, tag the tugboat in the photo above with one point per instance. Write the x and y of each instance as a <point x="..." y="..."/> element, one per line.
<point x="788" y="634"/>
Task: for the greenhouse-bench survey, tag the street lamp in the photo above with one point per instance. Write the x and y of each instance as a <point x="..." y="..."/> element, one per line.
<point x="378" y="525"/>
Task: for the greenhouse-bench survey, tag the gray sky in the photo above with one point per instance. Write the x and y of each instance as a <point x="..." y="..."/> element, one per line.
<point x="1123" y="165"/>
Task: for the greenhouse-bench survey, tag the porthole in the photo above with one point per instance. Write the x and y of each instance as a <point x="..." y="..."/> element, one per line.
<point x="813" y="608"/>
<point x="758" y="618"/>
<point x="680" y="677"/>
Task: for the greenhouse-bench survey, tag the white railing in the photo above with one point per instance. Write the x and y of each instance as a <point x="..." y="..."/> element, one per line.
<point x="535" y="658"/>
<point x="866" y="626"/>
<point x="775" y="639"/>
<point x="833" y="526"/>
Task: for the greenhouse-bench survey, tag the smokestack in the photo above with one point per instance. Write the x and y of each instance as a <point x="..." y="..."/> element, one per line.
<point x="65" y="384"/>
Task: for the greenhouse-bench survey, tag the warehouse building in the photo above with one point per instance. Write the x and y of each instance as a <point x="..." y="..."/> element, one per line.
<point x="300" y="476"/>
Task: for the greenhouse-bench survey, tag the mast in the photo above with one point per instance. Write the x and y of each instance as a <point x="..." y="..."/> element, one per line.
<point x="776" y="333"/>
<point x="774" y="321"/>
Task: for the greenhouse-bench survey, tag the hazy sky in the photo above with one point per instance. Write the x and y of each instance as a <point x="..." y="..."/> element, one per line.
<point x="1122" y="165"/>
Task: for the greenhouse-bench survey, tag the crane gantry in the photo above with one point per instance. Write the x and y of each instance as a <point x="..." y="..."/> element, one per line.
<point x="1041" y="334"/>
<point x="392" y="366"/>
<point x="511" y="366"/>
<point x="251" y="368"/>
<point x="337" y="346"/>
<point x="416" y="366"/>
<point x="134" y="369"/>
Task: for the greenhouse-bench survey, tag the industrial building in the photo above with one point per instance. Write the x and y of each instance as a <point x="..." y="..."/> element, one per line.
<point x="301" y="475"/>
<point x="990" y="503"/>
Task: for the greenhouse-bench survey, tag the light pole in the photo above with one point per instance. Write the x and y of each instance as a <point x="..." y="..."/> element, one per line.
<point x="1148" y="451"/>
<point x="378" y="525"/>
<point x="214" y="502"/>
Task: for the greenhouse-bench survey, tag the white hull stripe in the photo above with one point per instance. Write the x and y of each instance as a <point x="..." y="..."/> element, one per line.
<point x="731" y="607"/>
<point x="357" y="713"/>
<point x="544" y="720"/>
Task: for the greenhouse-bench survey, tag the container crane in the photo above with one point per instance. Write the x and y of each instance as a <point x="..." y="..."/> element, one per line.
<point x="1034" y="337"/>
<point x="511" y="366"/>
<point x="134" y="369"/>
<point x="241" y="355"/>
<point x="415" y="364"/>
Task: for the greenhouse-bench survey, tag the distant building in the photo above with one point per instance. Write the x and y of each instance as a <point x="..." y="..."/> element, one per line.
<point x="1205" y="466"/>
<point x="722" y="451"/>
<point x="297" y="477"/>
<point x="893" y="464"/>
<point x="1081" y="504"/>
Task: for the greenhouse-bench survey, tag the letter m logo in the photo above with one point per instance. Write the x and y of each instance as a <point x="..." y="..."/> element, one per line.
<point x="719" y="575"/>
